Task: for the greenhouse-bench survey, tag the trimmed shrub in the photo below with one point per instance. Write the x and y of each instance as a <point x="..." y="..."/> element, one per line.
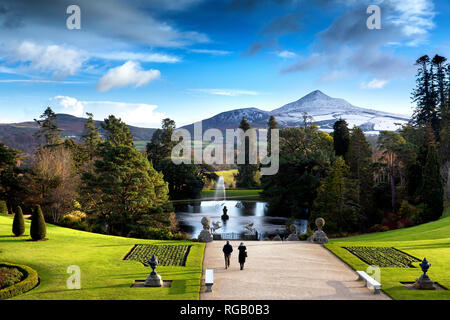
<point x="31" y="280"/>
<point x="38" y="228"/>
<point x="18" y="227"/>
<point x="3" y="207"/>
<point x="9" y="276"/>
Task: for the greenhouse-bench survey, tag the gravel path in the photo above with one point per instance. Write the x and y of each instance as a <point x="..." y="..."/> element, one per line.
<point x="283" y="270"/>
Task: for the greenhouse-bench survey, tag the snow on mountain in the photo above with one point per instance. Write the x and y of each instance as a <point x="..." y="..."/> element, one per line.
<point x="324" y="109"/>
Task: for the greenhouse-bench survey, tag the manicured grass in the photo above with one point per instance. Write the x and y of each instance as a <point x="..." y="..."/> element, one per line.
<point x="234" y="194"/>
<point x="430" y="240"/>
<point x="228" y="177"/>
<point x="104" y="275"/>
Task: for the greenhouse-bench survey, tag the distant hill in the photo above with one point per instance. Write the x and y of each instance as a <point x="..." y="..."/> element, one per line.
<point x="20" y="135"/>
<point x="325" y="111"/>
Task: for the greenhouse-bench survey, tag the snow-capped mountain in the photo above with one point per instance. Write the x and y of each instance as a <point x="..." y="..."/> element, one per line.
<point x="325" y="111"/>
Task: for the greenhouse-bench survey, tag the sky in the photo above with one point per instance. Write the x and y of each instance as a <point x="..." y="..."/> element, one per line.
<point x="191" y="59"/>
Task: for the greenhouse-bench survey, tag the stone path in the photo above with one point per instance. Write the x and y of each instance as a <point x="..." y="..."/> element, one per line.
<point x="281" y="271"/>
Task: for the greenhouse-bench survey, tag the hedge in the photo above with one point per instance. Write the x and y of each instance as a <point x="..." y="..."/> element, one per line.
<point x="31" y="280"/>
<point x="3" y="207"/>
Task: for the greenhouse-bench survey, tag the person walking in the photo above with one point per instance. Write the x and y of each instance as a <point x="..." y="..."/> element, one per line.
<point x="242" y="254"/>
<point x="227" y="250"/>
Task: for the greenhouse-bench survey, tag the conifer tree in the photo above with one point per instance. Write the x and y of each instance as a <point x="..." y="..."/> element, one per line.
<point x="246" y="177"/>
<point x="91" y="135"/>
<point x="359" y="160"/>
<point x="18" y="226"/>
<point x="49" y="129"/>
<point x="38" y="229"/>
<point x="433" y="192"/>
<point x="341" y="138"/>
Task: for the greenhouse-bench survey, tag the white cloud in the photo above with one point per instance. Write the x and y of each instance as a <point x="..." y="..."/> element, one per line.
<point x="138" y="114"/>
<point x="227" y="92"/>
<point x="55" y="59"/>
<point x="286" y="54"/>
<point x="210" y="51"/>
<point x="144" y="57"/>
<point x="127" y="74"/>
<point x="374" y="84"/>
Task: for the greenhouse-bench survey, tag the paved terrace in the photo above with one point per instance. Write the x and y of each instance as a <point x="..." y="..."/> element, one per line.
<point x="283" y="270"/>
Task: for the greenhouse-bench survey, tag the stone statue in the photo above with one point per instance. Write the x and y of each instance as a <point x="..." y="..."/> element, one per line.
<point x="205" y="235"/>
<point x="225" y="215"/>
<point x="424" y="282"/>
<point x="319" y="235"/>
<point x="293" y="236"/>
<point x="250" y="228"/>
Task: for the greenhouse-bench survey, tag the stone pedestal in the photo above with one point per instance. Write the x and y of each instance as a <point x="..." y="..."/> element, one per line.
<point x="424" y="283"/>
<point x="319" y="236"/>
<point x="205" y="235"/>
<point x="153" y="280"/>
<point x="293" y="236"/>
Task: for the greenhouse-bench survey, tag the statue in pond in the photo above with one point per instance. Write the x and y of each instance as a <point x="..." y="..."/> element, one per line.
<point x="225" y="215"/>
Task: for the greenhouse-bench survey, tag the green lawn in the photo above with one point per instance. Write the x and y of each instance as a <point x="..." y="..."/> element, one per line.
<point x="431" y="241"/>
<point x="234" y="194"/>
<point x="104" y="275"/>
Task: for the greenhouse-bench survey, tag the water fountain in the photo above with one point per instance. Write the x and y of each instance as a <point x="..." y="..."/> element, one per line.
<point x="219" y="194"/>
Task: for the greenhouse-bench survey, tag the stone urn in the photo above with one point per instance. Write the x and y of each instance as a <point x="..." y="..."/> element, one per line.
<point x="424" y="282"/>
<point x="205" y="235"/>
<point x="153" y="279"/>
<point x="293" y="236"/>
<point x="319" y="235"/>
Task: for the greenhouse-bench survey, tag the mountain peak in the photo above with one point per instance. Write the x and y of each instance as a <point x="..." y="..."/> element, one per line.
<point x="316" y="95"/>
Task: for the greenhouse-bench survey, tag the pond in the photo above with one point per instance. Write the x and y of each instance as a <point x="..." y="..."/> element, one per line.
<point x="240" y="214"/>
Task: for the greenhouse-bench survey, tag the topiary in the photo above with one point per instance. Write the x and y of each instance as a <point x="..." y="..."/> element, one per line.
<point x="18" y="226"/>
<point x="38" y="229"/>
<point x="3" y="207"/>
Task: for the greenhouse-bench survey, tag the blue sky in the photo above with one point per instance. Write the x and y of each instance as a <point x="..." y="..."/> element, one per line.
<point x="191" y="59"/>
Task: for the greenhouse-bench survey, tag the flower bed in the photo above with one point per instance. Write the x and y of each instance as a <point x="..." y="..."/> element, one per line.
<point x="16" y="282"/>
<point x="383" y="257"/>
<point x="168" y="255"/>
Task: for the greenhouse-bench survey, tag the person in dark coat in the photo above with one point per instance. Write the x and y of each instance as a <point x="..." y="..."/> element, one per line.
<point x="227" y="250"/>
<point x="242" y="254"/>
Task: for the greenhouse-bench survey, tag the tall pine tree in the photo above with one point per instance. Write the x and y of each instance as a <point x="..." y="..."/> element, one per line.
<point x="341" y="138"/>
<point x="246" y="176"/>
<point x="48" y="129"/>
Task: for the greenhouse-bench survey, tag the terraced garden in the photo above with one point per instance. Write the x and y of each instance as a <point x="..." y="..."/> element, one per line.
<point x="104" y="273"/>
<point x="430" y="240"/>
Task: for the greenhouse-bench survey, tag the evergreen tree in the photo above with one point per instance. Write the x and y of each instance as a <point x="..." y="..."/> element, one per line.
<point x="38" y="229"/>
<point x="425" y="95"/>
<point x="49" y="129"/>
<point x="123" y="189"/>
<point x="335" y="199"/>
<point x="433" y="191"/>
<point x="117" y="132"/>
<point x="91" y="135"/>
<point x="160" y="147"/>
<point x="272" y="124"/>
<point x="359" y="160"/>
<point x="341" y="138"/>
<point x="18" y="226"/>
<point x="246" y="177"/>
<point x="391" y="145"/>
